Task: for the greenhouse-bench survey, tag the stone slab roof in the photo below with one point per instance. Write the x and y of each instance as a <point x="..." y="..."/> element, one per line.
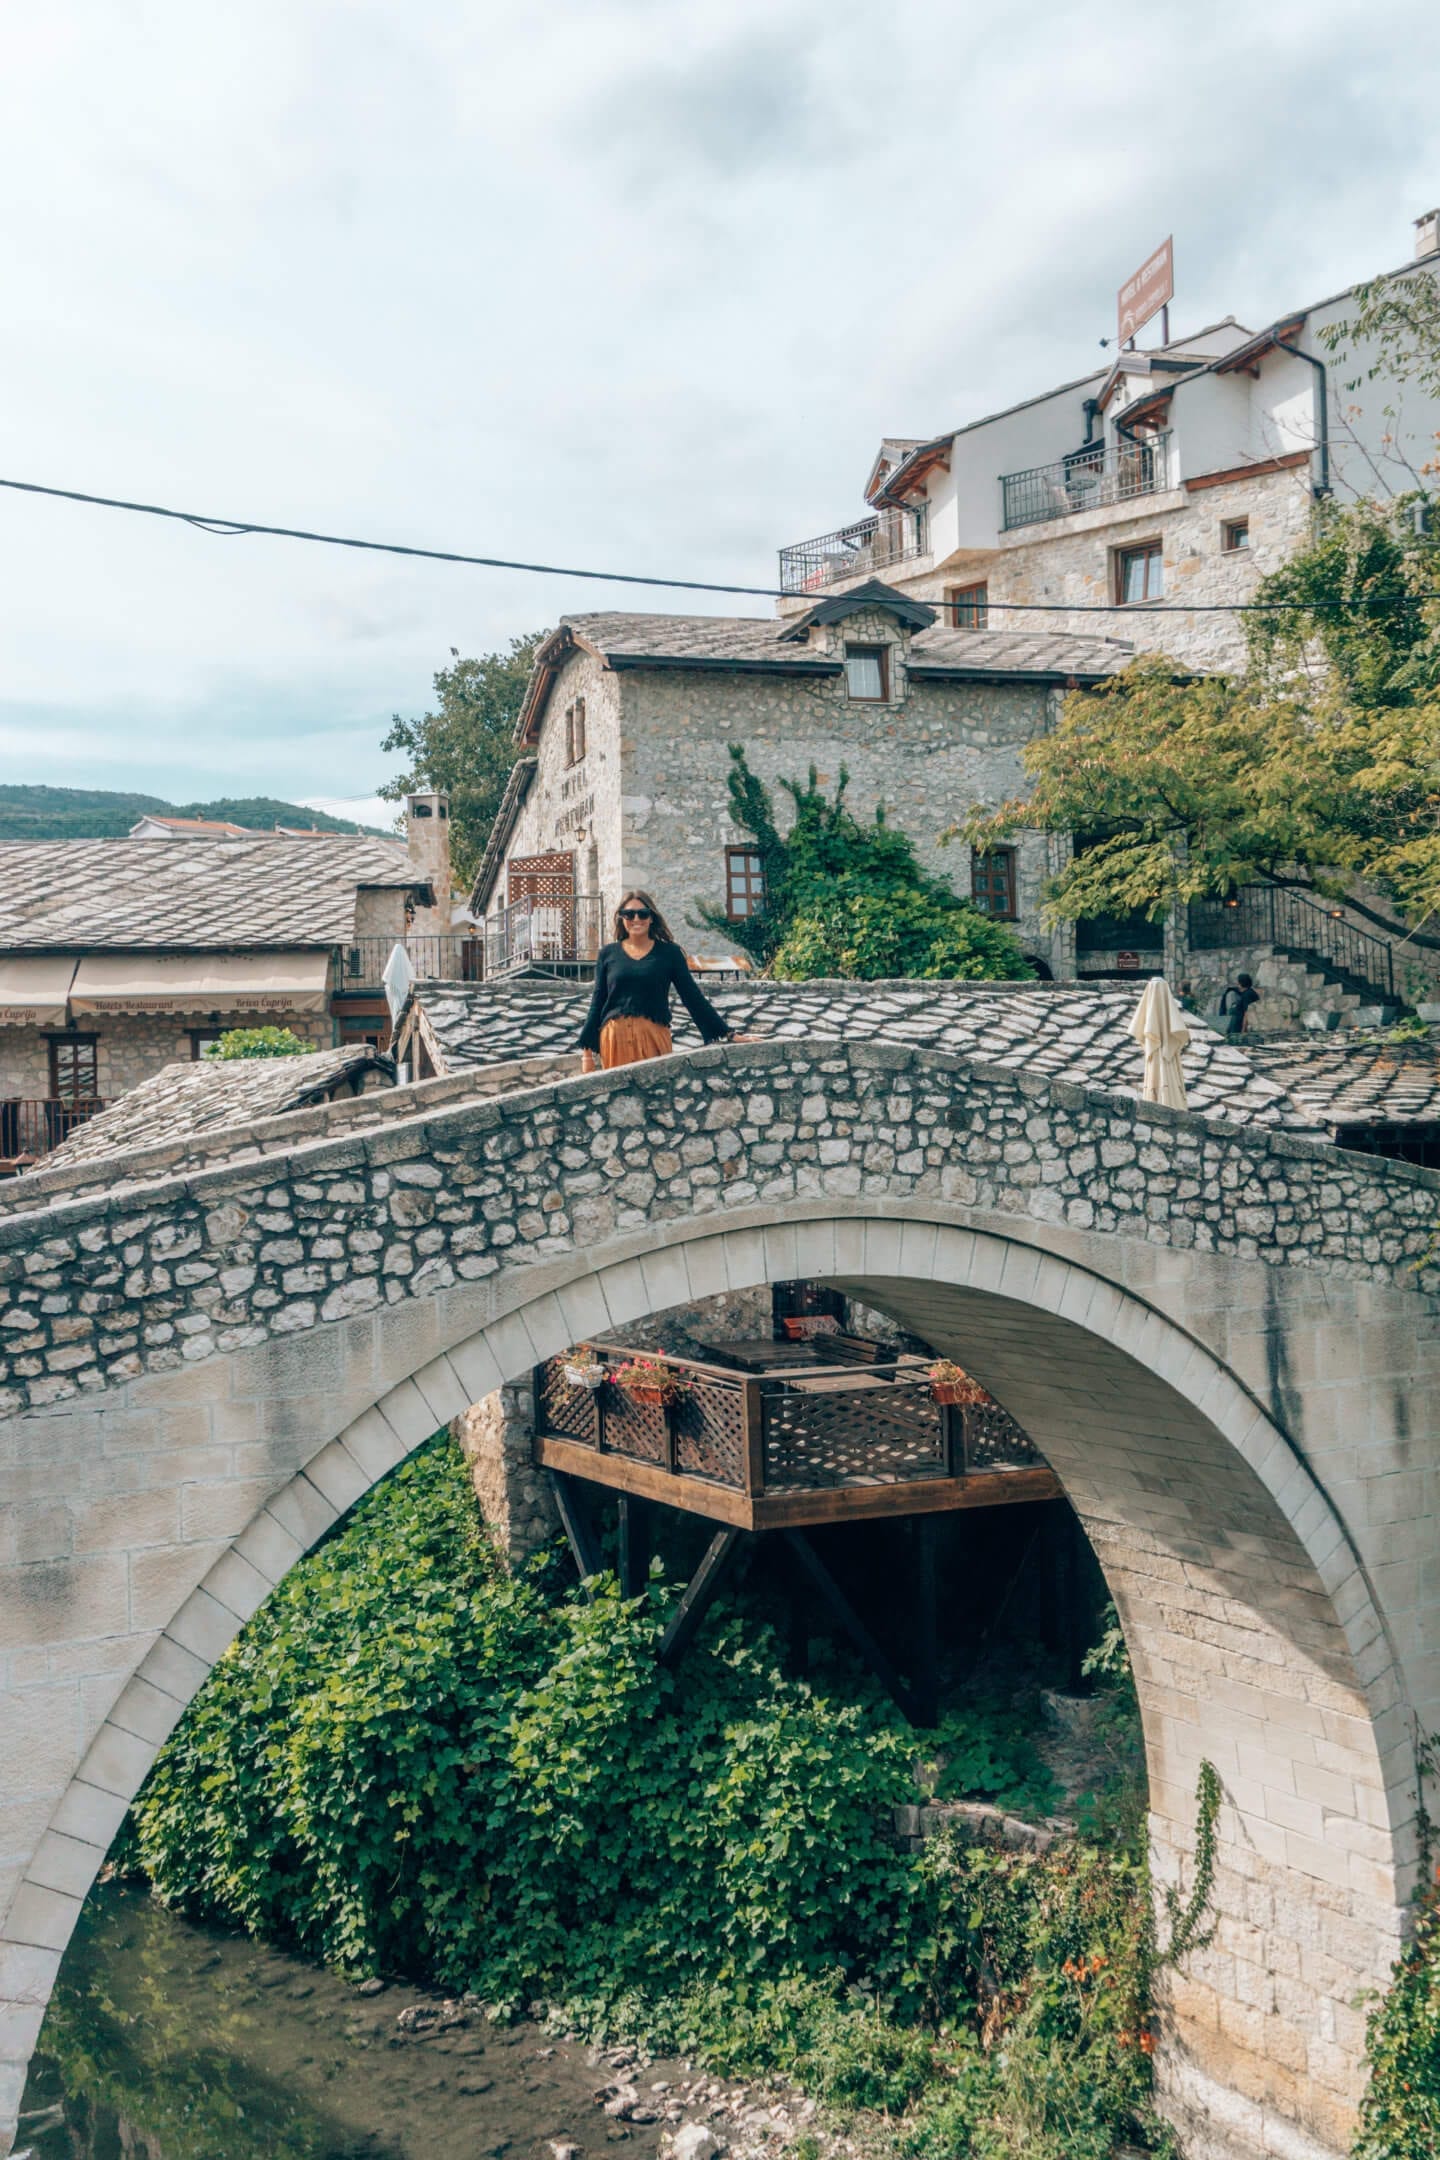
<point x="207" y="895"/>
<point x="213" y="1094"/>
<point x="721" y="640"/>
<point x="1356" y="1079"/>
<point x="1063" y="1031"/>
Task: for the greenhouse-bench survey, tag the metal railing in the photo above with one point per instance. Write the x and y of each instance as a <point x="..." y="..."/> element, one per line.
<point x="781" y="1432"/>
<point x="561" y="933"/>
<point x="871" y="544"/>
<point x="32" y="1126"/>
<point x="1277" y="915"/>
<point x="1088" y="479"/>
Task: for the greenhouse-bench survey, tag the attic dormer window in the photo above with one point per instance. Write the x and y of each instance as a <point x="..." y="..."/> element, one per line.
<point x="867" y="672"/>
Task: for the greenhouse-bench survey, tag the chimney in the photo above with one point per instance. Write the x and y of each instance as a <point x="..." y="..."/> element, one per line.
<point x="427" y="838"/>
<point x="1427" y="234"/>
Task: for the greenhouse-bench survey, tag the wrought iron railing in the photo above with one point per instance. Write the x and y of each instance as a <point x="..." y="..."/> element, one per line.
<point x="32" y="1126"/>
<point x="871" y="544"/>
<point x="1088" y="479"/>
<point x="562" y="933"/>
<point x="1278" y="915"/>
<point x="785" y="1432"/>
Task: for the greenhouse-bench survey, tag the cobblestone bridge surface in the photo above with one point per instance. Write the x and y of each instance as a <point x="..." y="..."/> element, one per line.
<point x="1223" y="1337"/>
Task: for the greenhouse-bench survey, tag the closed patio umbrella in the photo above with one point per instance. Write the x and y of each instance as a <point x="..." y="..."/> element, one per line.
<point x="1159" y="1027"/>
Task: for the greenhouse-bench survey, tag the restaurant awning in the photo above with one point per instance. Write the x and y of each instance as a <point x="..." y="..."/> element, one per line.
<point x="33" y="988"/>
<point x="270" y="982"/>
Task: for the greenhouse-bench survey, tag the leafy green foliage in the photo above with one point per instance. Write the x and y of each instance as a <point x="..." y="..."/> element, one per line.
<point x="415" y="1763"/>
<point x="258" y="1042"/>
<point x="986" y="1751"/>
<point x="466" y="746"/>
<point x="1313" y="771"/>
<point x="848" y="899"/>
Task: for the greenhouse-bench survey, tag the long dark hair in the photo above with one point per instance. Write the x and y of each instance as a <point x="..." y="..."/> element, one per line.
<point x="659" y="929"/>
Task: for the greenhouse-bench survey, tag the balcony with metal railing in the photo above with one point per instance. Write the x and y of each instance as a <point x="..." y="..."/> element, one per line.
<point x="30" y="1126"/>
<point x="561" y="935"/>
<point x="863" y="549"/>
<point x="1090" y="479"/>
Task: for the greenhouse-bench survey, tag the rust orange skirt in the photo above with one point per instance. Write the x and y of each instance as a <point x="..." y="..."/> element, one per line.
<point x="631" y="1042"/>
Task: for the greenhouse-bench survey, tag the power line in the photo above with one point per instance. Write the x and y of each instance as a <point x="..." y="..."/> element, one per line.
<point x="236" y="528"/>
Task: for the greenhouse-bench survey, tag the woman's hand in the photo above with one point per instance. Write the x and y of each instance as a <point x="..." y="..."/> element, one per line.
<point x="587" y="1061"/>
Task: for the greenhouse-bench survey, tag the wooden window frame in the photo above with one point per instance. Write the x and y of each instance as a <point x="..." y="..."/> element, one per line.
<point x="76" y="1039"/>
<point x="1229" y="545"/>
<point x="202" y="1035"/>
<point x="575" y="732"/>
<point x="1152" y="551"/>
<point x="1007" y="857"/>
<point x="869" y="652"/>
<point x="753" y="883"/>
<point x="976" y="597"/>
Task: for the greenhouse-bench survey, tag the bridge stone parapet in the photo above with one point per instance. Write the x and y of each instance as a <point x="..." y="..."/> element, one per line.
<point x="1225" y="1339"/>
<point x="362" y="1207"/>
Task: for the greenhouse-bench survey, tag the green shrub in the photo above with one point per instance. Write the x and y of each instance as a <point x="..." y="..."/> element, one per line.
<point x="413" y="1763"/>
<point x="258" y="1042"/>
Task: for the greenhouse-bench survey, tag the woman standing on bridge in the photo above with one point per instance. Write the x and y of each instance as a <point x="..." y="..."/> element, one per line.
<point x="629" y="1016"/>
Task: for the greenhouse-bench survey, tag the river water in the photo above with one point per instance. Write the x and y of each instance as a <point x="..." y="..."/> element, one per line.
<point x="172" y="2042"/>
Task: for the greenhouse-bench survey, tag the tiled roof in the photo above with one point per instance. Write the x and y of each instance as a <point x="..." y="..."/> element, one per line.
<point x="1057" y="1030"/>
<point x="212" y="1094"/>
<point x="1356" y="1079"/>
<point x="207" y="895"/>
<point x="719" y="640"/>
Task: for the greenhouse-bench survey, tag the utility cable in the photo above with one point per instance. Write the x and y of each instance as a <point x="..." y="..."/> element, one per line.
<point x="235" y="528"/>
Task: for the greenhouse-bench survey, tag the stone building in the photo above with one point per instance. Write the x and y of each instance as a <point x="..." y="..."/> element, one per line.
<point x="118" y="957"/>
<point x="1165" y="482"/>
<point x="625" y="734"/>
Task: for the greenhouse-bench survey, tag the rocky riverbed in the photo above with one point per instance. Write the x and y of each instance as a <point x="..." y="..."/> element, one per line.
<point x="172" y="2042"/>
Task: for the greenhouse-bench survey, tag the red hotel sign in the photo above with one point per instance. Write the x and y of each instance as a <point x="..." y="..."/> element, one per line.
<point x="1147" y="292"/>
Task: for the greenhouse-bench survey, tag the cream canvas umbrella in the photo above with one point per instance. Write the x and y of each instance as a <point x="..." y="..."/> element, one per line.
<point x="1159" y="1027"/>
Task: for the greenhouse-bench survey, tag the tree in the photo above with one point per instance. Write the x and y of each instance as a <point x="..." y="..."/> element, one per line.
<point x="846" y="899"/>
<point x="258" y="1042"/>
<point x="466" y="746"/>
<point x="1319" y="767"/>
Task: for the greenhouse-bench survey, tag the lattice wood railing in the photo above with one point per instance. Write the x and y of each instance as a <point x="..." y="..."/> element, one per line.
<point x="774" y="1434"/>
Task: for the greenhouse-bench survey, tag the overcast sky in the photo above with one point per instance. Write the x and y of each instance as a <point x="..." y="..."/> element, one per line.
<point x="636" y="284"/>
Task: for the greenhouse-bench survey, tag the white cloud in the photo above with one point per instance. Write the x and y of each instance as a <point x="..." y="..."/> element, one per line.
<point x="610" y="283"/>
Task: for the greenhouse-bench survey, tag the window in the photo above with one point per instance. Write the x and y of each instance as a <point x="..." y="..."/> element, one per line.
<point x="992" y="883"/>
<point x="744" y="883"/>
<point x="1139" y="573"/>
<point x="74" y="1069"/>
<point x="575" y="732"/>
<point x="867" y="672"/>
<point x="1235" y="535"/>
<point x="203" y="1040"/>
<point x="967" y="606"/>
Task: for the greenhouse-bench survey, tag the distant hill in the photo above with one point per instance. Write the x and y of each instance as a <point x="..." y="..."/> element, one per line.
<point x="32" y="812"/>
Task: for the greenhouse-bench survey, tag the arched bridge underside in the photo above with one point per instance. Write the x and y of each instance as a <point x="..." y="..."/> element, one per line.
<point x="1225" y="1342"/>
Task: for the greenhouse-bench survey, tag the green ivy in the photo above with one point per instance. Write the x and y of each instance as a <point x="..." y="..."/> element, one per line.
<point x="851" y="900"/>
<point x="258" y="1042"/>
<point x="411" y="1762"/>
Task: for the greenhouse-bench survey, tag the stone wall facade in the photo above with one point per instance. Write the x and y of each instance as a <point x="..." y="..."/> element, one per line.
<point x="652" y="795"/>
<point x="130" y="1047"/>
<point x="576" y="809"/>
<point x="511" y="1490"/>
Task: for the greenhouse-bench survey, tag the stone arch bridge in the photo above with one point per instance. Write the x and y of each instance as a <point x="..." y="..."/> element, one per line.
<point x="1224" y="1338"/>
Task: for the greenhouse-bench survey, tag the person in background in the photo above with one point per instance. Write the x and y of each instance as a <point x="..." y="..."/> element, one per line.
<point x="1185" y="998"/>
<point x="1235" y="1003"/>
<point x="629" y="1016"/>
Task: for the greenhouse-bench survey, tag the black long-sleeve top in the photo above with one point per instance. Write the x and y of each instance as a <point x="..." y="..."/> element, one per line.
<point x="627" y="989"/>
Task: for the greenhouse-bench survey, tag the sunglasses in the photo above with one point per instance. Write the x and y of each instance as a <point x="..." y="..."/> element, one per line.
<point x="635" y="914"/>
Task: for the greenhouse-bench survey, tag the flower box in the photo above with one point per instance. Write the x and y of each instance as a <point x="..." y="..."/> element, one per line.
<point x="950" y="1383"/>
<point x="650" y="1380"/>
